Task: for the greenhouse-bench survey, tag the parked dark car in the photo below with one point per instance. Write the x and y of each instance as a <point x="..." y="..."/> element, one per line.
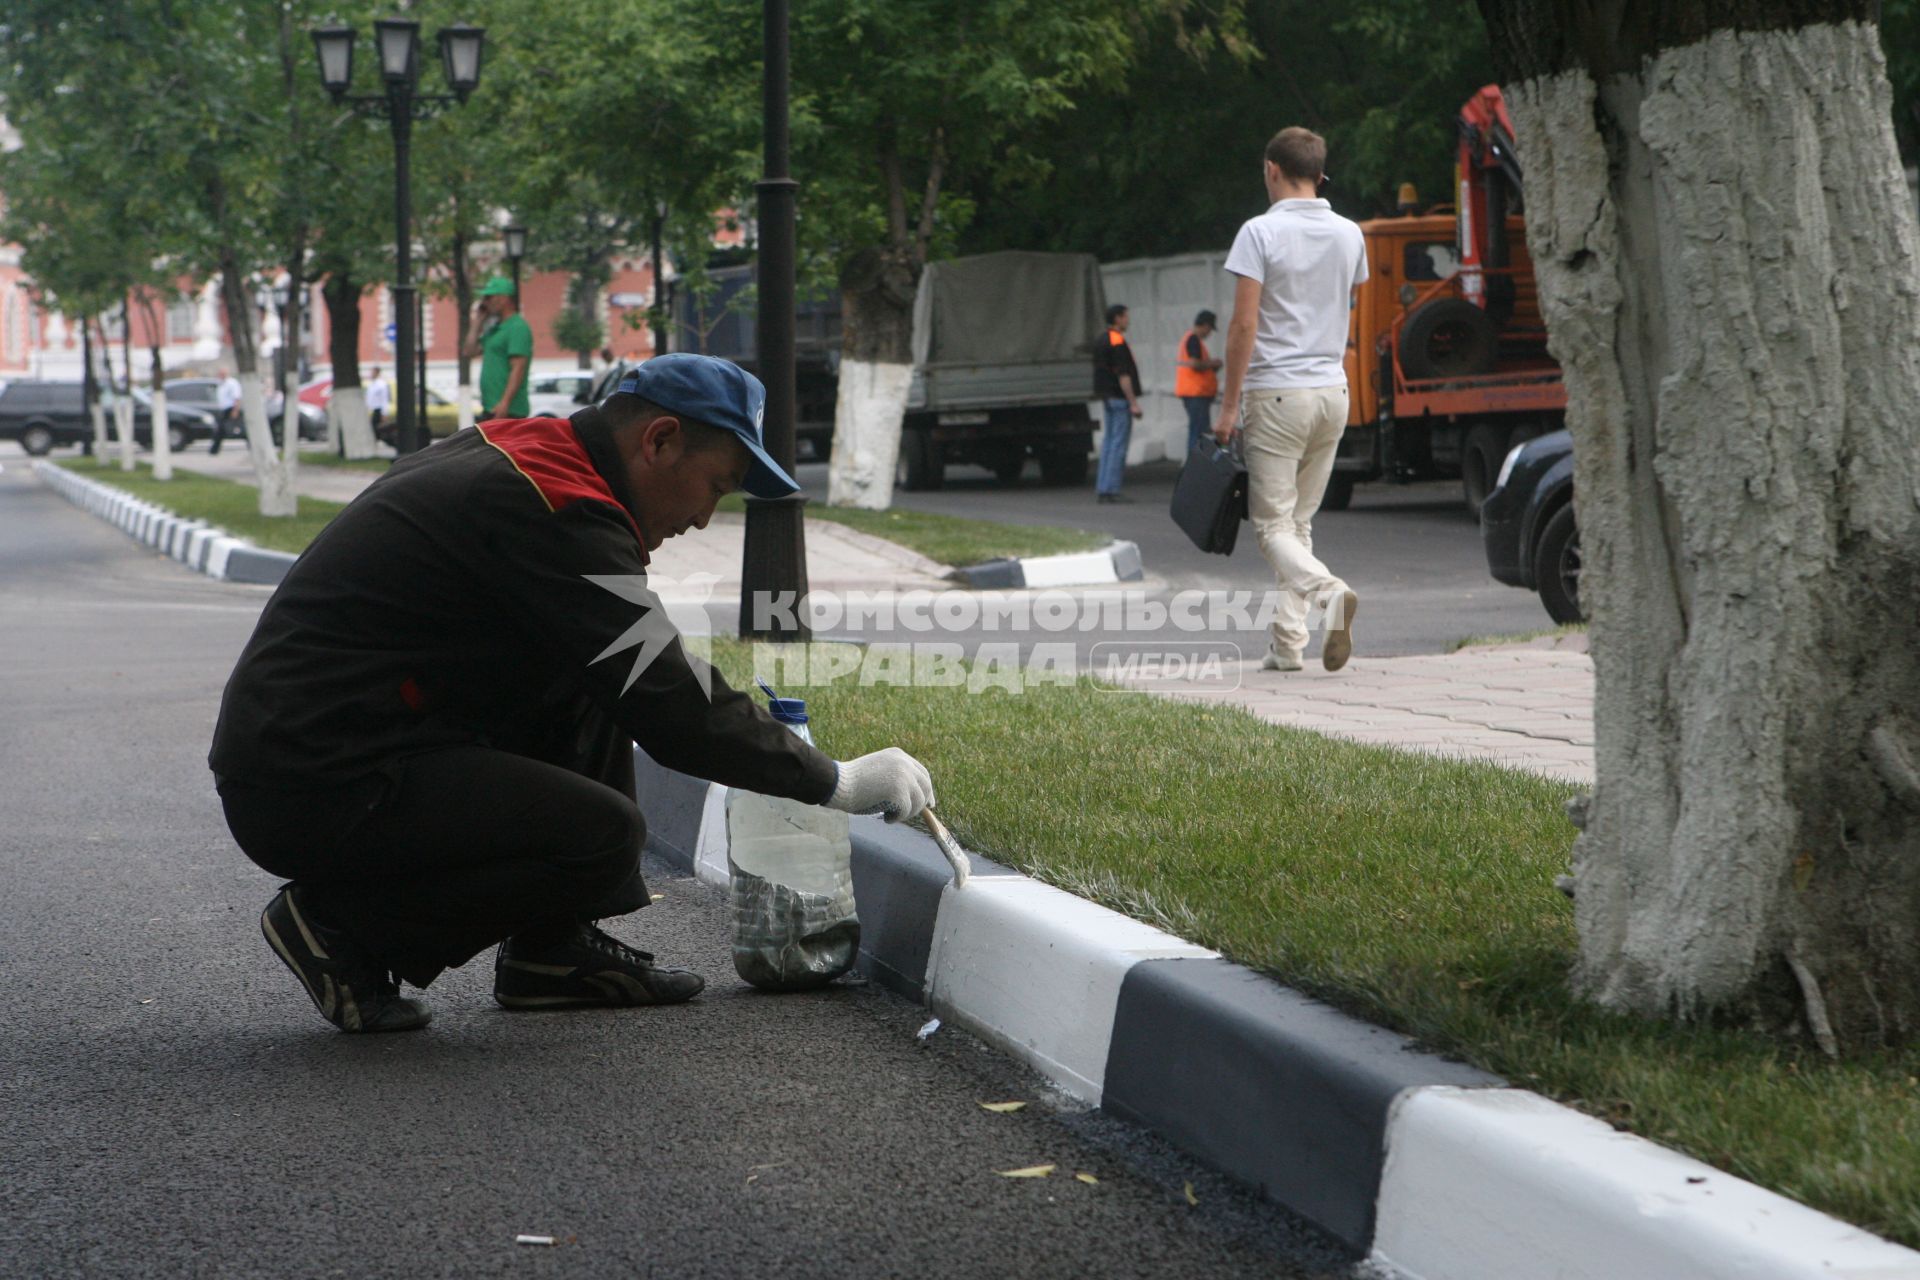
<point x="204" y="393"/>
<point x="41" y="414"/>
<point x="1527" y="524"/>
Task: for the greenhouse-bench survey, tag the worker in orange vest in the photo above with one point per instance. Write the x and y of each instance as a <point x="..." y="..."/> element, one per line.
<point x="1196" y="379"/>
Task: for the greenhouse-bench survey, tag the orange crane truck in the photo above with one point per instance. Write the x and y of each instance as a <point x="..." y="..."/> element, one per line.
<point x="1447" y="354"/>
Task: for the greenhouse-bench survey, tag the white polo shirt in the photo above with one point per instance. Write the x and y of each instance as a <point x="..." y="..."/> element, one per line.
<point x="1307" y="259"/>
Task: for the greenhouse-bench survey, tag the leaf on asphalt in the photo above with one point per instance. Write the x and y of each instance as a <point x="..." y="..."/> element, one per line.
<point x="1088" y="1178"/>
<point x="1001" y="1108"/>
<point x="1031" y="1171"/>
<point x="1192" y="1198"/>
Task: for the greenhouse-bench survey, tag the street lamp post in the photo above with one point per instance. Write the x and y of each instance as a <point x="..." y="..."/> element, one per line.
<point x="397" y="42"/>
<point x="515" y="236"/>
<point x="774" y="568"/>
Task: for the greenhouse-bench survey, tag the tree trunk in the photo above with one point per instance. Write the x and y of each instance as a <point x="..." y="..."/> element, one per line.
<point x="90" y="389"/>
<point x="463" y="324"/>
<point x="276" y="493"/>
<point x="123" y="407"/>
<point x="876" y="369"/>
<point x="162" y="428"/>
<point x="1728" y="264"/>
<point x="347" y="418"/>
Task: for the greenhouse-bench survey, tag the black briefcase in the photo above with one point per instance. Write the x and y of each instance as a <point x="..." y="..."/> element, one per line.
<point x="1210" y="497"/>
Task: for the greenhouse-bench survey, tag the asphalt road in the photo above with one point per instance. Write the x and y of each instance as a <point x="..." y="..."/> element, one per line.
<point x="172" y="1106"/>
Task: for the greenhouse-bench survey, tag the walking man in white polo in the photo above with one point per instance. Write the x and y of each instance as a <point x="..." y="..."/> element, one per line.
<point x="1298" y="265"/>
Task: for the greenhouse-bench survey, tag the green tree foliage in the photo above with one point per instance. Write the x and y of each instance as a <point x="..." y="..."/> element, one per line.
<point x="1169" y="161"/>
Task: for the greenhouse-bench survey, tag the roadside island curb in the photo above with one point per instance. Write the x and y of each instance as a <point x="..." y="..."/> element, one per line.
<point x="1431" y="1169"/>
<point x="1116" y="562"/>
<point x="194" y="543"/>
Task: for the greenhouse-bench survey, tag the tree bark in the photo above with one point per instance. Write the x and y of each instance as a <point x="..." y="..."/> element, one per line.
<point x="276" y="494"/>
<point x="347" y="405"/>
<point x="1730" y="271"/>
<point x="876" y="371"/>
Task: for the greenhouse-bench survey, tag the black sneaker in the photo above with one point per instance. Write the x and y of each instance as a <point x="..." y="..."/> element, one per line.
<point x="352" y="993"/>
<point x="590" y="967"/>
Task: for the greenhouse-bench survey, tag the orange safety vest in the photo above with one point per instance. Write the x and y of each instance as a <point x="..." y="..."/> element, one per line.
<point x="1203" y="383"/>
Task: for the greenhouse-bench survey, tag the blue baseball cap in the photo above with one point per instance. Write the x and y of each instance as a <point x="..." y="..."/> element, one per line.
<point x="720" y="394"/>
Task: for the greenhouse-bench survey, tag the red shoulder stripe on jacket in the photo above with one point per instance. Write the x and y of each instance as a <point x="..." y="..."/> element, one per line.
<point x="554" y="462"/>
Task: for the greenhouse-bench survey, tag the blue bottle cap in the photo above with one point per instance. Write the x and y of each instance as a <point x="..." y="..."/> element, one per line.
<point x="785" y="710"/>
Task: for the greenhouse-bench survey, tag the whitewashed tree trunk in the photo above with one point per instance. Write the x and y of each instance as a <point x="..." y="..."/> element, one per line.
<point x="269" y="469"/>
<point x="162" y="435"/>
<point x="290" y="430"/>
<point x="348" y="418"/>
<point x="866" y="433"/>
<point x="1730" y="271"/>
<point x="123" y="426"/>
<point x="99" y="415"/>
<point x="463" y="399"/>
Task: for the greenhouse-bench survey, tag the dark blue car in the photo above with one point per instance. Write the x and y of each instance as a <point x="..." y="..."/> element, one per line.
<point x="1527" y="524"/>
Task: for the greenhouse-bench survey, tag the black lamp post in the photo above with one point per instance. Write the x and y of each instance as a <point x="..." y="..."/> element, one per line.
<point x="774" y="559"/>
<point x="397" y="42"/>
<point x="515" y="236"/>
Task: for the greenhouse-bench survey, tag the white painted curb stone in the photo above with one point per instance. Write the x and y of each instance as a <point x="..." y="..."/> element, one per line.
<point x="1486" y="1183"/>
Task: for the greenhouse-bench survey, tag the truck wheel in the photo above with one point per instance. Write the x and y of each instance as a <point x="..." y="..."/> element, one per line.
<point x="1480" y="460"/>
<point x="1448" y="338"/>
<point x="1008" y="470"/>
<point x="37" y="440"/>
<point x="1556" y="567"/>
<point x="922" y="464"/>
<point x="1339" y="494"/>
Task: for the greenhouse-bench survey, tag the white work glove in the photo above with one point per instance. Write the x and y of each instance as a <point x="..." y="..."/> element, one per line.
<point x="889" y="782"/>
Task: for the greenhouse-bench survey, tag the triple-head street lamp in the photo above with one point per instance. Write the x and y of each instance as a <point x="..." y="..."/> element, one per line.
<point x="397" y="42"/>
<point x="515" y="236"/>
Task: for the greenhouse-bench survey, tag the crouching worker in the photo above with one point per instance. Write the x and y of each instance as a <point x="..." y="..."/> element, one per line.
<point x="430" y="733"/>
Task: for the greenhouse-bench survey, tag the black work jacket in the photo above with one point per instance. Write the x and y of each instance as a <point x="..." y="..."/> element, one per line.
<point x="452" y="604"/>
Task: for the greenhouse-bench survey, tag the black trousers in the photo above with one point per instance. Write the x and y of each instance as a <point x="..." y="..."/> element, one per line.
<point x="430" y="859"/>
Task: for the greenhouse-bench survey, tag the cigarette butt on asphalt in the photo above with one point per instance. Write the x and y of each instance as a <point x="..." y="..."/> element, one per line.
<point x="956" y="856"/>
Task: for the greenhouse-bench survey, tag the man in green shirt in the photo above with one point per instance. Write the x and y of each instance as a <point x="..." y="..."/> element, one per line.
<point x="504" y="343"/>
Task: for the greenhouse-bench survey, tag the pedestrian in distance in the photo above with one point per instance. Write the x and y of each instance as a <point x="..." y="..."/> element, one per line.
<point x="1116" y="380"/>
<point x="1297" y="266"/>
<point x="1196" y="379"/>
<point x="503" y="341"/>
<point x="430" y="734"/>
<point x="226" y="409"/>
<point x="379" y="399"/>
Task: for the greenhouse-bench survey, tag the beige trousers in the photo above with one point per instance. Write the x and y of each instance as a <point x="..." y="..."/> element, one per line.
<point x="1290" y="439"/>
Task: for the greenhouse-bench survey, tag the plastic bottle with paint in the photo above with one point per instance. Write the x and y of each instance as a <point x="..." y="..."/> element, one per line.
<point x="791" y="874"/>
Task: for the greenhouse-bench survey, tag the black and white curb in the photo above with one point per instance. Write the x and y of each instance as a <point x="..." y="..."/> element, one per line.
<point x="1117" y="562"/>
<point x="194" y="543"/>
<point x="1431" y="1169"/>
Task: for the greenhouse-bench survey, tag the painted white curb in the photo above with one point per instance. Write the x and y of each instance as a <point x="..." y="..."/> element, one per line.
<point x="1036" y="971"/>
<point x="1085" y="568"/>
<point x="1504" y="1183"/>
<point x="1026" y="967"/>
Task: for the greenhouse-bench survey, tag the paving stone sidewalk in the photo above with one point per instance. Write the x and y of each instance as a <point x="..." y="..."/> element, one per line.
<point x="1524" y="706"/>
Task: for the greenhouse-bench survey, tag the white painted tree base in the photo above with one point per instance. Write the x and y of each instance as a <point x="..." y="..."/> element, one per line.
<point x="866" y="433"/>
<point x="349" y="423"/>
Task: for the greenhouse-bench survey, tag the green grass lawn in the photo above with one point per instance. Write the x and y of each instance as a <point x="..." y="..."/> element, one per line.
<point x="1413" y="891"/>
<point x="952" y="540"/>
<point x="233" y="506"/>
<point x="327" y="458"/>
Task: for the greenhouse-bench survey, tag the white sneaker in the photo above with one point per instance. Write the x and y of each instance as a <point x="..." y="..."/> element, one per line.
<point x="1338" y="646"/>
<point x="1276" y="661"/>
